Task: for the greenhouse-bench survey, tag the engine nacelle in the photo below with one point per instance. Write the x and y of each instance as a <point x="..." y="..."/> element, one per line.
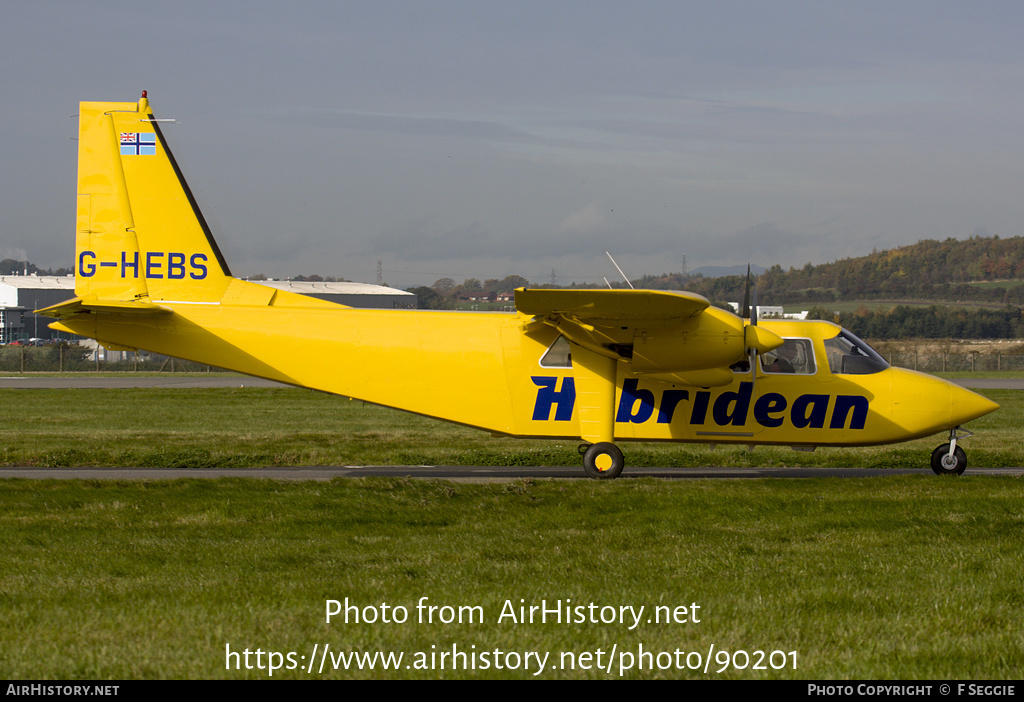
<point x="715" y="339"/>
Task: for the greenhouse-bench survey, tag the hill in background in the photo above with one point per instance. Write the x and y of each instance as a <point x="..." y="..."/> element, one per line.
<point x="987" y="270"/>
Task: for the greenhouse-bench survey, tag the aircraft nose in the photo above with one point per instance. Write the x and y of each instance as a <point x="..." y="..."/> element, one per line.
<point x="924" y="404"/>
<point x="966" y="405"/>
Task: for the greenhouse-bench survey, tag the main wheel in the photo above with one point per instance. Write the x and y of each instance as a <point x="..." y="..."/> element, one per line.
<point x="944" y="464"/>
<point x="603" y="461"/>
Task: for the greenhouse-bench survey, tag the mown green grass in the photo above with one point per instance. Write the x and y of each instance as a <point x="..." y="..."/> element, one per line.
<point x="990" y="284"/>
<point x="898" y="577"/>
<point x="251" y="427"/>
<point x="903" y="577"/>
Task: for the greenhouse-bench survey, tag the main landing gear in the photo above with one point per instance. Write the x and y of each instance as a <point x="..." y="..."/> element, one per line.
<point x="602" y="460"/>
<point x="950" y="459"/>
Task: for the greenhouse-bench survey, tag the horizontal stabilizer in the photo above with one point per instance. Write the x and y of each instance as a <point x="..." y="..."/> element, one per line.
<point x="86" y="306"/>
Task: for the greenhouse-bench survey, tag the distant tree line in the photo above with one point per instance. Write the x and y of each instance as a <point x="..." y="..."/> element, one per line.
<point x="445" y="292"/>
<point x="932" y="322"/>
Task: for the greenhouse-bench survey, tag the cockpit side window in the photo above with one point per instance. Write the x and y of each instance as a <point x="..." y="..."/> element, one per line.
<point x="794" y="356"/>
<point x="558" y="355"/>
<point x="848" y="355"/>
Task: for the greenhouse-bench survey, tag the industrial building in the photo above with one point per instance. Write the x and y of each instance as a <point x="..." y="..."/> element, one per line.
<point x="350" y="294"/>
<point x="21" y="294"/>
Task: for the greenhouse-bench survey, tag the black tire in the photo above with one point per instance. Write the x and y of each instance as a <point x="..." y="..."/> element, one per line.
<point x="603" y="461"/>
<point x="944" y="464"/>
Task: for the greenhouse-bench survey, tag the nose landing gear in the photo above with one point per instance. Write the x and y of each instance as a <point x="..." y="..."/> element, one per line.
<point x="950" y="459"/>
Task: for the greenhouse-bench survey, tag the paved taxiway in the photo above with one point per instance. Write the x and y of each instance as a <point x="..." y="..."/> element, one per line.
<point x="224" y="380"/>
<point x="466" y="473"/>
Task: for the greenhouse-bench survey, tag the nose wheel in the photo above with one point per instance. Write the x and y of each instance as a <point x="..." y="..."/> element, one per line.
<point x="950" y="459"/>
<point x="945" y="463"/>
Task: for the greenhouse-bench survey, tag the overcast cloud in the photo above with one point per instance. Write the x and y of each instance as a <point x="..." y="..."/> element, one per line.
<point x="480" y="139"/>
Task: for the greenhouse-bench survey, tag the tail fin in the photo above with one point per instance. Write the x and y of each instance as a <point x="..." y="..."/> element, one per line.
<point x="140" y="234"/>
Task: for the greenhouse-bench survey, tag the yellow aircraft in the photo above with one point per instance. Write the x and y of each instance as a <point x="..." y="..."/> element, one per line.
<point x="602" y="366"/>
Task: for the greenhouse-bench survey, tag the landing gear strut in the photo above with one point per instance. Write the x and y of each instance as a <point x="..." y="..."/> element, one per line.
<point x="603" y="460"/>
<point x="950" y="459"/>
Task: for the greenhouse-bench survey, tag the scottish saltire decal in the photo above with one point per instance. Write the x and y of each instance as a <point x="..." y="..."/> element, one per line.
<point x="138" y="143"/>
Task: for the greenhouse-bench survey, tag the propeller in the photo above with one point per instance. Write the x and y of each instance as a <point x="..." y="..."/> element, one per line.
<point x="750" y="312"/>
<point x="753" y="296"/>
<point x="745" y="312"/>
<point x="757" y="339"/>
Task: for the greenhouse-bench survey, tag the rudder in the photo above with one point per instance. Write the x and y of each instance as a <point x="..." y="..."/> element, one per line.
<point x="140" y="234"/>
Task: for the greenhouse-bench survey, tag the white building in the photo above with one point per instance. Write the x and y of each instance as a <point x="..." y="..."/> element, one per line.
<point x="21" y="294"/>
<point x="351" y="294"/>
<point x="771" y="312"/>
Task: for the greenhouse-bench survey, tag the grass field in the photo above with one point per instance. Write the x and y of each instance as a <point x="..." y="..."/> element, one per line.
<point x="246" y="427"/>
<point x="903" y="577"/>
<point x="899" y="577"/>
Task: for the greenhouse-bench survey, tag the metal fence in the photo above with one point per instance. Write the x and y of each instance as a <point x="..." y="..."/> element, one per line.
<point x="956" y="362"/>
<point x="76" y="359"/>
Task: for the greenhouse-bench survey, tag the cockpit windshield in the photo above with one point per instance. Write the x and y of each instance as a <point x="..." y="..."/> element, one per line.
<point x="848" y="355"/>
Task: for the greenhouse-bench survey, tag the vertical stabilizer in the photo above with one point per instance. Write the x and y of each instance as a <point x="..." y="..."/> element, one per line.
<point x="140" y="233"/>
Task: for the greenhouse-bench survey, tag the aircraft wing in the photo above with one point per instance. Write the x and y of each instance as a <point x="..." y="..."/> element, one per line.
<point x="611" y="306"/>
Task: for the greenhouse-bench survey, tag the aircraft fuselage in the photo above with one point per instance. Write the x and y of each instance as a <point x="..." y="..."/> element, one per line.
<point x="486" y="370"/>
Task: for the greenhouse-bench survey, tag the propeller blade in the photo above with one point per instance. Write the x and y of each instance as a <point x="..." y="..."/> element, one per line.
<point x="758" y="340"/>
<point x="753" y="303"/>
<point x="753" y="373"/>
<point x="745" y="312"/>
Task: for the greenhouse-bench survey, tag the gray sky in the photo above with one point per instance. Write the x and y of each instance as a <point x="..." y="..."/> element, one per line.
<point x="481" y="139"/>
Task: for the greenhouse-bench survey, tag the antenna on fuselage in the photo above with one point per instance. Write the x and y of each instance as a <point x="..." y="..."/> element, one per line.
<point x="619" y="270"/>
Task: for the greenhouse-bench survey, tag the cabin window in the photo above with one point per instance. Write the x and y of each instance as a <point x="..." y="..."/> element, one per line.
<point x="558" y="355"/>
<point x="848" y="355"/>
<point x="795" y="356"/>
